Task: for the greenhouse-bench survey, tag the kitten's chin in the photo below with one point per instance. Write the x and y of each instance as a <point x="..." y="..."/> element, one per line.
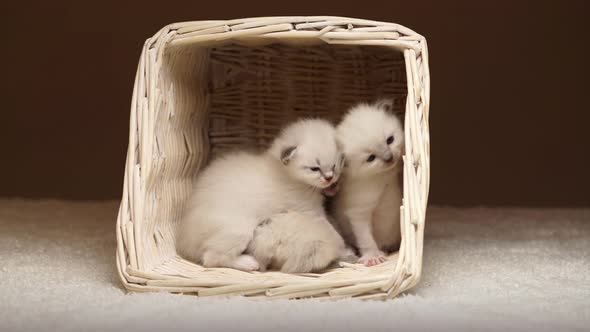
<point x="332" y="189"/>
<point x="390" y="167"/>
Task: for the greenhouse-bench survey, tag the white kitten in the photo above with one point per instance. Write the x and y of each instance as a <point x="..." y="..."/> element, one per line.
<point x="367" y="206"/>
<point x="294" y="242"/>
<point x="236" y="192"/>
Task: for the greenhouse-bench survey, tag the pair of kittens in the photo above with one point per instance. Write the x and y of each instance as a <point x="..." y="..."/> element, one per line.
<point x="259" y="211"/>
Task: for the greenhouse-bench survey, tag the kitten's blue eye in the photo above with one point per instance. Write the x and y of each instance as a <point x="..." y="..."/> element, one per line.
<point x="315" y="169"/>
<point x="371" y="158"/>
<point x="389" y="140"/>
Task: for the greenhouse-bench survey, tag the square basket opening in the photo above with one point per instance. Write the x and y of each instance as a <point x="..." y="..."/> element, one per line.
<point x="194" y="100"/>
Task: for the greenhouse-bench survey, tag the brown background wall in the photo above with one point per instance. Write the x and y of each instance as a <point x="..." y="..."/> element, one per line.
<point x="509" y="113"/>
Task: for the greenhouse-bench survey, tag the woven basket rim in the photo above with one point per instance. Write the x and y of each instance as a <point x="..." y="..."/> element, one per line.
<point x="293" y="19"/>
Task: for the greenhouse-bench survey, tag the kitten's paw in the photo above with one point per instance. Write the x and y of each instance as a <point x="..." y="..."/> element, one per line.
<point x="246" y="263"/>
<point x="372" y="258"/>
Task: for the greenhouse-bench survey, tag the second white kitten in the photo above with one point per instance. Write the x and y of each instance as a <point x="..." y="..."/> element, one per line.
<point x="367" y="207"/>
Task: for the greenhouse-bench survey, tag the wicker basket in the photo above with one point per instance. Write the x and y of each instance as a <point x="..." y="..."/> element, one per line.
<point x="203" y="87"/>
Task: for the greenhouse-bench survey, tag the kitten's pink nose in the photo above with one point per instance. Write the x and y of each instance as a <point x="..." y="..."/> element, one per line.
<point x="328" y="177"/>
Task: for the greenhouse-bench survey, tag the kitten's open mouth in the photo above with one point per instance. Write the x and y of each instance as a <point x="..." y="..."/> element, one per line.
<point x="332" y="189"/>
<point x="391" y="166"/>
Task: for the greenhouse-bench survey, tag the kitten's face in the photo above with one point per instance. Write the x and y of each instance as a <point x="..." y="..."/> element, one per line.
<point x="372" y="139"/>
<point x="309" y="152"/>
<point x="318" y="166"/>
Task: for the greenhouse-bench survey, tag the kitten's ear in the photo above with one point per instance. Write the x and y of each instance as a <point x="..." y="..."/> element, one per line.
<point x="287" y="154"/>
<point x="385" y="104"/>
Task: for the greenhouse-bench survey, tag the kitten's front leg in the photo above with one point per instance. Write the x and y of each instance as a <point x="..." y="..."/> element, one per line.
<point x="361" y="225"/>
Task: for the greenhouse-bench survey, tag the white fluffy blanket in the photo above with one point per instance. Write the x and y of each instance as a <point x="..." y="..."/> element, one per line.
<point x="484" y="269"/>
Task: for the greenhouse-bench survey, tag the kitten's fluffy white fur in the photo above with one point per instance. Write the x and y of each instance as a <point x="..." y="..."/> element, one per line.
<point x="295" y="242"/>
<point x="367" y="206"/>
<point x="238" y="191"/>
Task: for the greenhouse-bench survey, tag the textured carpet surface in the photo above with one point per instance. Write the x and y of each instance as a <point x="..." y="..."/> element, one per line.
<point x="484" y="269"/>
